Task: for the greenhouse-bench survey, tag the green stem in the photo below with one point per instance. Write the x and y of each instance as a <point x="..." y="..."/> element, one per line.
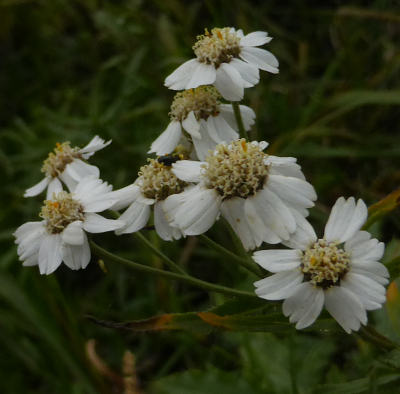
<point x="160" y="254"/>
<point x="243" y="262"/>
<point x="156" y="251"/>
<point x="369" y="333"/>
<point x="239" y="120"/>
<point x="104" y="254"/>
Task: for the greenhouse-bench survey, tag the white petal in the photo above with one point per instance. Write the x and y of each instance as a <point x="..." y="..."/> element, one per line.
<point x="374" y="267"/>
<point x="135" y="218"/>
<point x="313" y="310"/>
<point x="371" y="297"/>
<point x="124" y="196"/>
<point x="97" y="224"/>
<point x="229" y="83"/>
<point x="345" y="220"/>
<point x="194" y="211"/>
<point x="345" y="308"/>
<point x="73" y="233"/>
<point x="94" y="194"/>
<point x="233" y="211"/>
<point x="295" y="305"/>
<point x="304" y="235"/>
<point x="191" y="125"/>
<point x="54" y="188"/>
<point x="274" y="213"/>
<point x="93" y="146"/>
<point x="261" y="58"/>
<point x="203" y="74"/>
<point x="168" y="140"/>
<point x="248" y="116"/>
<point x="305" y="305"/>
<point x="278" y="260"/>
<point x="295" y="191"/>
<point x="31" y="260"/>
<point x="257" y="225"/>
<point x="188" y="170"/>
<point x="38" y="188"/>
<point x="68" y="180"/>
<point x="285" y="166"/>
<point x="205" y="145"/>
<point x="163" y="228"/>
<point x="78" y="256"/>
<point x="363" y="249"/>
<point x="182" y="75"/>
<point x="78" y="170"/>
<point x="26" y="229"/>
<point x="249" y="73"/>
<point x="278" y="286"/>
<point x="50" y="254"/>
<point x="225" y="132"/>
<point x="255" y="39"/>
<point x="29" y="238"/>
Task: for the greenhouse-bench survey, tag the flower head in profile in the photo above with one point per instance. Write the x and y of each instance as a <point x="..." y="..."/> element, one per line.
<point x="61" y="235"/>
<point x="341" y="270"/>
<point x="262" y="197"/>
<point x="227" y="59"/>
<point x="207" y="121"/>
<point x="66" y="164"/>
<point x="154" y="185"/>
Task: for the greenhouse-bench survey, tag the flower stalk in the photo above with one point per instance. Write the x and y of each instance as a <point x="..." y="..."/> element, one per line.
<point x="106" y="255"/>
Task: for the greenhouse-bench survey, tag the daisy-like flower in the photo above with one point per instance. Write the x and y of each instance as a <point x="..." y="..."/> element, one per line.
<point x="341" y="270"/>
<point x="61" y="236"/>
<point x="261" y="196"/>
<point x="155" y="184"/>
<point x="66" y="165"/>
<point x="227" y="59"/>
<point x="200" y="113"/>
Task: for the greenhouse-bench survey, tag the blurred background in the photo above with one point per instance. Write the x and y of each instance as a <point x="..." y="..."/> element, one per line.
<point x="71" y="69"/>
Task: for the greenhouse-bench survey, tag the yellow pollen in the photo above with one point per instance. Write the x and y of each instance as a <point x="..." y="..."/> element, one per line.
<point x="219" y="46"/>
<point x="60" y="212"/>
<point x="203" y="101"/>
<point x="324" y="264"/>
<point x="157" y="181"/>
<point x="236" y="170"/>
<point x="56" y="161"/>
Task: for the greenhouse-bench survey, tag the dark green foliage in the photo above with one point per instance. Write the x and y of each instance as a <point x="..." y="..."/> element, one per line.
<point x="70" y="69"/>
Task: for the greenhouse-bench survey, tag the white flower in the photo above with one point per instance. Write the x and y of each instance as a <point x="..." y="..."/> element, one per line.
<point x="61" y="235"/>
<point x="207" y="121"/>
<point x="341" y="271"/>
<point x="155" y="184"/>
<point x="262" y="197"/>
<point x="66" y="165"/>
<point x="226" y="59"/>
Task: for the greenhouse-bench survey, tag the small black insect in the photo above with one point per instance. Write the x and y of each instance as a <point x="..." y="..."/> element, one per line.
<point x="168" y="160"/>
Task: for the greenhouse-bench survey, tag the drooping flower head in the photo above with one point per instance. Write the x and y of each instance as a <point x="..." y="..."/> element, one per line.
<point x="341" y="270"/>
<point x="262" y="197"/>
<point x="154" y="185"/>
<point x="61" y="236"/>
<point x="66" y="164"/>
<point x="227" y="59"/>
<point x="207" y="122"/>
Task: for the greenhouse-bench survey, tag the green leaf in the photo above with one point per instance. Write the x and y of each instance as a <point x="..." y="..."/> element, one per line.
<point x="357" y="386"/>
<point x="203" y="382"/>
<point x="382" y="208"/>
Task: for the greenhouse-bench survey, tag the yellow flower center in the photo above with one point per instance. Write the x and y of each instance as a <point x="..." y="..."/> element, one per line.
<point x="324" y="264"/>
<point x="60" y="212"/>
<point x="203" y="101"/>
<point x="56" y="162"/>
<point x="219" y="46"/>
<point x="236" y="170"/>
<point x="158" y="181"/>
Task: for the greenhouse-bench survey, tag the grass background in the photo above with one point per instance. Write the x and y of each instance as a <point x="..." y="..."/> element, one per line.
<point x="71" y="69"/>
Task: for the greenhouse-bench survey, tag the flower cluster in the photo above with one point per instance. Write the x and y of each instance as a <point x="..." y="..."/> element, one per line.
<point x="206" y="168"/>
